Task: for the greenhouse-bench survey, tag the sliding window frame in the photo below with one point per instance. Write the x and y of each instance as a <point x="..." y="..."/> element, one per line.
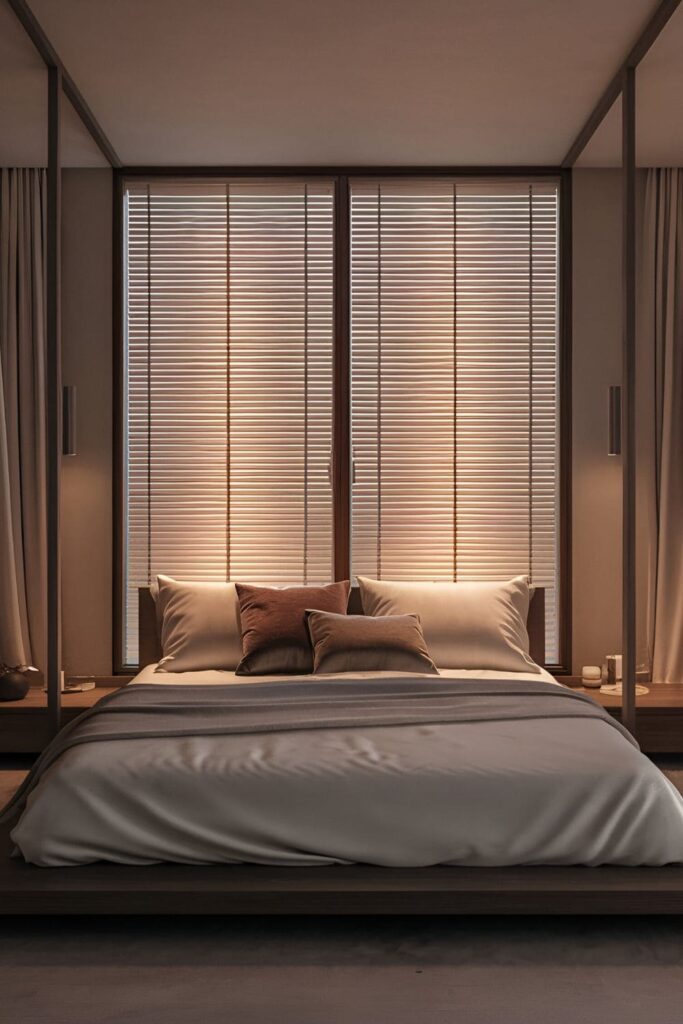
<point x="341" y="438"/>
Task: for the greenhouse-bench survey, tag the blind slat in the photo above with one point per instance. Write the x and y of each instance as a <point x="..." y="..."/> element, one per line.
<point x="229" y="332"/>
<point x="229" y="373"/>
<point x="454" y="309"/>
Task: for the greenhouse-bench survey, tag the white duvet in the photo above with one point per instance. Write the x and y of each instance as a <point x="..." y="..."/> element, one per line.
<point x="560" y="791"/>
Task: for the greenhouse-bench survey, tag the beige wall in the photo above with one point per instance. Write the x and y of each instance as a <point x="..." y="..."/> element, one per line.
<point x="87" y="478"/>
<point x="87" y="483"/>
<point x="596" y="484"/>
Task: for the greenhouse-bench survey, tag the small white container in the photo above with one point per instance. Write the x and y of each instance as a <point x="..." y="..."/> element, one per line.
<point x="591" y="676"/>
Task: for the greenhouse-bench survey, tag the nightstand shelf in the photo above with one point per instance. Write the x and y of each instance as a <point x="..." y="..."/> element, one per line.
<point x="24" y="728"/>
<point x="659" y="714"/>
<point x="24" y="725"/>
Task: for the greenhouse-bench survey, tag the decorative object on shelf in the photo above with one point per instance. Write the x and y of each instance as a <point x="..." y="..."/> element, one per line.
<point x="78" y="684"/>
<point x="614" y="675"/>
<point x="617" y="690"/>
<point x="14" y="684"/>
<point x="613" y="662"/>
<point x="591" y="675"/>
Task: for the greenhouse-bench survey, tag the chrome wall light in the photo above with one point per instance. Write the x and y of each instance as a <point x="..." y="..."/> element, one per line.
<point x="69" y="420"/>
<point x="614" y="420"/>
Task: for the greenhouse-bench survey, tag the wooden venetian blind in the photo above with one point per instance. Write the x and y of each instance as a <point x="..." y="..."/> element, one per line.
<point x="454" y="312"/>
<point x="229" y="329"/>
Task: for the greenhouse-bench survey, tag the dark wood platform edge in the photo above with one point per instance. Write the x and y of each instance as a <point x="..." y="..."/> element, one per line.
<point x="359" y="889"/>
<point x="170" y="889"/>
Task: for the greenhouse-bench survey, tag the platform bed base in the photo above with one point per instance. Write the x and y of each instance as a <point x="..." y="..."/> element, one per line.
<point x="358" y="889"/>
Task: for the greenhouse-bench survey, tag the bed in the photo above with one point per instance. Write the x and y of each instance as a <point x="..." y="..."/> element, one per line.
<point x="473" y="769"/>
<point x="545" y="795"/>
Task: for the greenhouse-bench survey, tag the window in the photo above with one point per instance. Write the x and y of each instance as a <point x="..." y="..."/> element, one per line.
<point x="454" y="364"/>
<point x="228" y="414"/>
<point x="229" y="338"/>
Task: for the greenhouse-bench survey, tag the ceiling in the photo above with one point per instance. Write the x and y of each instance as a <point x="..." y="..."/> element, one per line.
<point x="318" y="82"/>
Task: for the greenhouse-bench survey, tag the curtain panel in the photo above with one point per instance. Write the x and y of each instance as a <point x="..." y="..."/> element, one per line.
<point x="22" y="416"/>
<point x="660" y="427"/>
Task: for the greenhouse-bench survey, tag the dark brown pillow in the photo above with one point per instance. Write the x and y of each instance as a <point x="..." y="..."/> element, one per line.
<point x="361" y="643"/>
<point x="274" y="633"/>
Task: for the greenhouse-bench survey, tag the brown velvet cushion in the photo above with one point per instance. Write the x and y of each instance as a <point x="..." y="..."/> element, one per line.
<point x="359" y="643"/>
<point x="274" y="632"/>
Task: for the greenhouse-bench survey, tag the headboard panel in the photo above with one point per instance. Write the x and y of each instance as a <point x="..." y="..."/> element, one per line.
<point x="535" y="624"/>
<point x="149" y="639"/>
<point x="150" y="648"/>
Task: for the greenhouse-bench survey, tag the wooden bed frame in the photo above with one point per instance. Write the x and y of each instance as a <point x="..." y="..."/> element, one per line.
<point x="175" y="889"/>
<point x="357" y="889"/>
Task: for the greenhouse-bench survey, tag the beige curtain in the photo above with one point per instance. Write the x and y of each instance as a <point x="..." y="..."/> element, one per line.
<point x="660" y="426"/>
<point x="22" y="416"/>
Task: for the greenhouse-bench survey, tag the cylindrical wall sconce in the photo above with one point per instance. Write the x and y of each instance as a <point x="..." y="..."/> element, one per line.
<point x="614" y="421"/>
<point x="69" y="420"/>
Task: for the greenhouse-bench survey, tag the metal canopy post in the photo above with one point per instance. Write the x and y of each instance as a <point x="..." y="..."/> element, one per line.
<point x="59" y="81"/>
<point x="53" y="395"/>
<point x="647" y="37"/>
<point x="38" y="37"/>
<point x="628" y="405"/>
<point x="624" y="84"/>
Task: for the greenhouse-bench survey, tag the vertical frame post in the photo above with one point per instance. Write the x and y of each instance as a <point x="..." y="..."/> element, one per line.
<point x="628" y="405"/>
<point x="53" y="400"/>
<point x="565" y="413"/>
<point x="118" y="424"/>
<point x="341" y="431"/>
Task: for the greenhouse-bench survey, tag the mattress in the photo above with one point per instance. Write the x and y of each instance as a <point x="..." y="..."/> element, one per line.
<point x="151" y="674"/>
<point x="477" y="793"/>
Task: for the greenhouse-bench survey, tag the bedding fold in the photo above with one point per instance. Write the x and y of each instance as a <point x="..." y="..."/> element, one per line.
<point x="158" y="711"/>
<point x="394" y="770"/>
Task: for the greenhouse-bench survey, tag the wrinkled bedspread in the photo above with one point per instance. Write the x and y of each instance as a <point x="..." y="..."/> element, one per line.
<point x="404" y="771"/>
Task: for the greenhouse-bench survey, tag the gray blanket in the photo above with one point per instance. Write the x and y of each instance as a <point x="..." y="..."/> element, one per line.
<point x="158" y="711"/>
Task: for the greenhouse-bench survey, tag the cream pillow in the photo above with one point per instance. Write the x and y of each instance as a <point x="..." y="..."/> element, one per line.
<point x="465" y="625"/>
<point x="199" y="625"/>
